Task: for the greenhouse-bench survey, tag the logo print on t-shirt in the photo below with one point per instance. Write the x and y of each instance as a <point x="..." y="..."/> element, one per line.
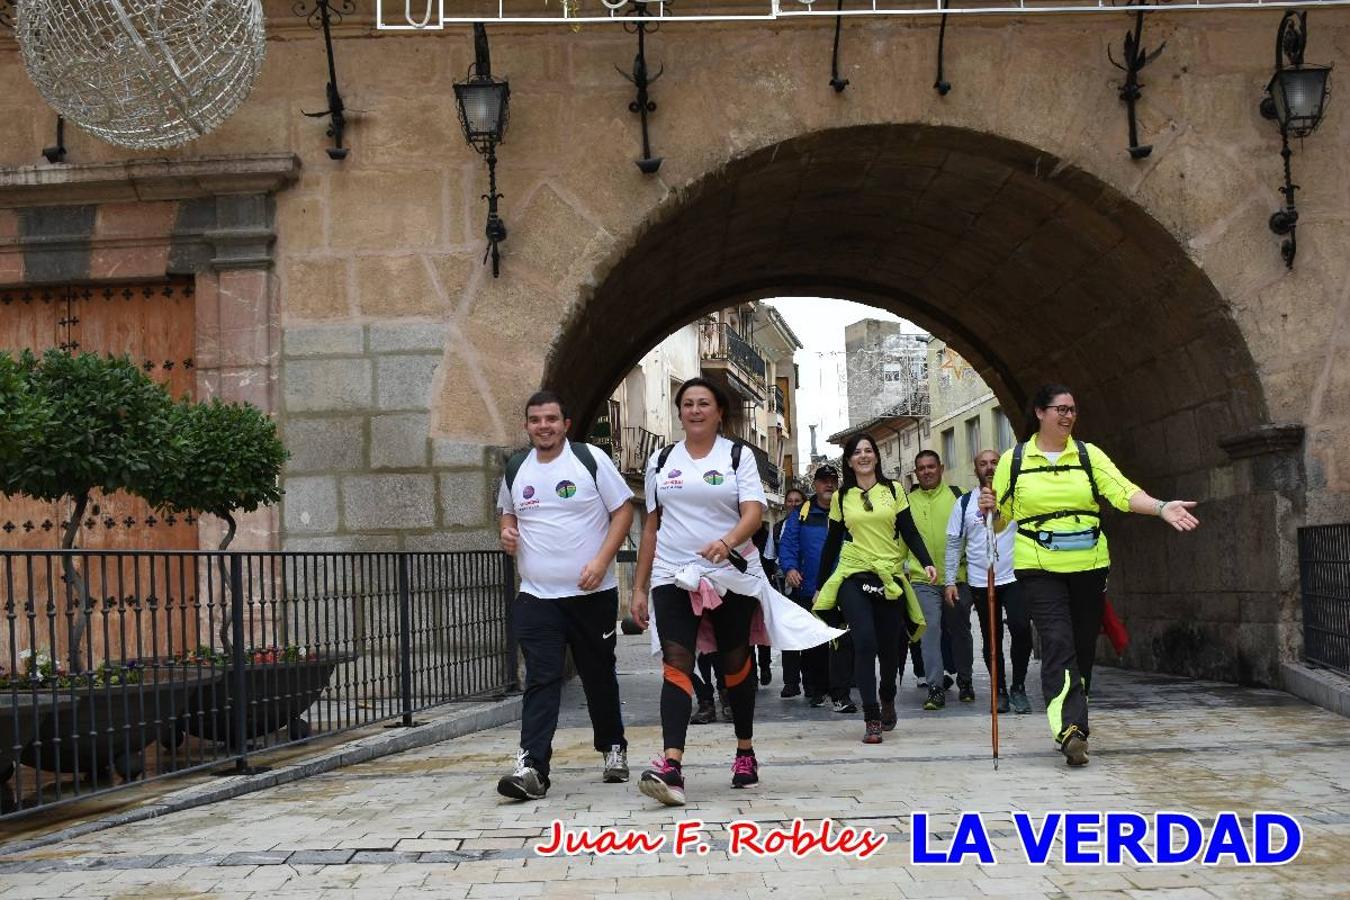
<point x="674" y="473"/>
<point x="713" y="477"/>
<point x="566" y="489"/>
<point x="529" y="491"/>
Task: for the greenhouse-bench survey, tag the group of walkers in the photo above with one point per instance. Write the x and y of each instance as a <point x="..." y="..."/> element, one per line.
<point x="872" y="575"/>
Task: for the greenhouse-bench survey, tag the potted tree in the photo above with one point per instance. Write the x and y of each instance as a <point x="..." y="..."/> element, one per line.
<point x="226" y="459"/>
<point x="77" y="424"/>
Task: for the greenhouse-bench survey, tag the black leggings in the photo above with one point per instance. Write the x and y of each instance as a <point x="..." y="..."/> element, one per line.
<point x="875" y="623"/>
<point x="678" y="628"/>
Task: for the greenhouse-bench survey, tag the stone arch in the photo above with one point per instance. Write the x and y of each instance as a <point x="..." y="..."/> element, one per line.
<point x="1034" y="269"/>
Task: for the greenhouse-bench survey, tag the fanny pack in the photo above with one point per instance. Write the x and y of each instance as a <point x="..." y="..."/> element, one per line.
<point x="1085" y="539"/>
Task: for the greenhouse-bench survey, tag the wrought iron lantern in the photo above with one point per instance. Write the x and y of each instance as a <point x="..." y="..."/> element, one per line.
<point x="484" y="109"/>
<point x="1295" y="98"/>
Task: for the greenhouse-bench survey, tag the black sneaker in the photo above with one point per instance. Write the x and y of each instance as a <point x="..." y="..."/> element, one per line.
<point x="790" y="690"/>
<point x="1002" y="701"/>
<point x="845" y="706"/>
<point x="889" y="718"/>
<point x="967" y="692"/>
<point x="525" y="783"/>
<point x="936" y="700"/>
<point x="947" y="682"/>
<point x="816" y="701"/>
<point x="727" y="715"/>
<point x="704" y="715"/>
<point x="1075" y="748"/>
<point x="663" y="782"/>
<point x="766" y="676"/>
<point x="1020" y="704"/>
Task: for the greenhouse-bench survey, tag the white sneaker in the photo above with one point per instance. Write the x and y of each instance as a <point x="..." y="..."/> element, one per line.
<point x="616" y="765"/>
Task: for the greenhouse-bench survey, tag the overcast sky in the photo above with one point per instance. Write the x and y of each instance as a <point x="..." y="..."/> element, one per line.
<point x="822" y="399"/>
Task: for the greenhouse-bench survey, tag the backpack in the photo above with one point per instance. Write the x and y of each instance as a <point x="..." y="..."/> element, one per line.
<point x="580" y="451"/>
<point x="1084" y="463"/>
<point x="965" y="505"/>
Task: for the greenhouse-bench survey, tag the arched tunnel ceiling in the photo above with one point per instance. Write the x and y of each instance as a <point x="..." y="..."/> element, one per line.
<point x="1033" y="269"/>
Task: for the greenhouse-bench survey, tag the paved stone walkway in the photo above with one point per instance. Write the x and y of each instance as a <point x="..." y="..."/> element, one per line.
<point x="429" y="822"/>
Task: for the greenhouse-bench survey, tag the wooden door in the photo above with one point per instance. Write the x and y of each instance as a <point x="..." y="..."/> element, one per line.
<point x="154" y="324"/>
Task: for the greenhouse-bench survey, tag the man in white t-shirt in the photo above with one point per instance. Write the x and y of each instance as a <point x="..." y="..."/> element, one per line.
<point x="564" y="514"/>
<point x="966" y="534"/>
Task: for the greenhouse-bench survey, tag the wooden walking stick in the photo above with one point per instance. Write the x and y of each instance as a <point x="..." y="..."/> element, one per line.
<point x="995" y="628"/>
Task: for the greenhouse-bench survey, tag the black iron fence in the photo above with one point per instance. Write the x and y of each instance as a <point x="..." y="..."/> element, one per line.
<point x="121" y="667"/>
<point x="1324" y="569"/>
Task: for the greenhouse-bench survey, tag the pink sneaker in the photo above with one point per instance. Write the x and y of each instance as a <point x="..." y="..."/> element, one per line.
<point x="744" y="771"/>
<point x="663" y="782"/>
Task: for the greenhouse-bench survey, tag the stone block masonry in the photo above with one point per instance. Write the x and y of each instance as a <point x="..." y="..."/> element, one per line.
<point x="365" y="472"/>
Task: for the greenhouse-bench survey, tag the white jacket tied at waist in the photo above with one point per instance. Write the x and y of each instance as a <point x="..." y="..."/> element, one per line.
<point x="789" y="626"/>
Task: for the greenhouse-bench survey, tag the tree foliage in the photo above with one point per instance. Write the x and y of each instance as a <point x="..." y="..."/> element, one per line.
<point x="226" y="457"/>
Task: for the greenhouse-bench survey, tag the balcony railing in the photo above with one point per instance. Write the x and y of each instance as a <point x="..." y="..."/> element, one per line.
<point x="769" y="473"/>
<point x="779" y="403"/>
<point x="719" y="342"/>
<point x="637" y="446"/>
<point x="185" y="661"/>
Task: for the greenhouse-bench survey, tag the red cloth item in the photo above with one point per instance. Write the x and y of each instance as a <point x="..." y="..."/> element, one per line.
<point x="706" y="598"/>
<point x="1114" y="629"/>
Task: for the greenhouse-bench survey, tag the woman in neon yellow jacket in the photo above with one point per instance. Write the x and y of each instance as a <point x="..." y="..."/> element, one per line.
<point x="871" y="532"/>
<point x="1053" y="487"/>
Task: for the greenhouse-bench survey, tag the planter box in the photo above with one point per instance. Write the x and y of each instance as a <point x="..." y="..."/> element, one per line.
<point x="96" y="728"/>
<point x="278" y="695"/>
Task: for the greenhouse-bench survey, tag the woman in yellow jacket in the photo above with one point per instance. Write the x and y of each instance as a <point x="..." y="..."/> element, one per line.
<point x="871" y="531"/>
<point x="1052" y="487"/>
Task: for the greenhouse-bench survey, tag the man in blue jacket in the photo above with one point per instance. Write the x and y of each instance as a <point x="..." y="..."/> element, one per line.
<point x="819" y="669"/>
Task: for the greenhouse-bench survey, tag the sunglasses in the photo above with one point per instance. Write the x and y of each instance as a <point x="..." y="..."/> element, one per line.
<point x="867" y="501"/>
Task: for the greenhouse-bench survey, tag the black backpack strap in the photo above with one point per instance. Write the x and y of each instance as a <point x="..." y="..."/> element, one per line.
<point x="583" y="452"/>
<point x="1016" y="470"/>
<point x="513" y="464"/>
<point x="663" y="456"/>
<point x="736" y="447"/>
<point x="1086" y="462"/>
<point x="956" y="491"/>
<point x="965" y="506"/>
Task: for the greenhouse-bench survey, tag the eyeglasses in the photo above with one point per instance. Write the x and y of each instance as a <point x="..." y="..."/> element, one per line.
<point x="1063" y="410"/>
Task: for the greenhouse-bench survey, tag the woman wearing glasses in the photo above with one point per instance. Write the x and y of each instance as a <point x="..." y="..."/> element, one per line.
<point x="1052" y="487"/>
<point x="871" y="531"/>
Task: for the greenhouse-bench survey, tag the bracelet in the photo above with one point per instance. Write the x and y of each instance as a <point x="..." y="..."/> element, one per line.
<point x="1162" y="505"/>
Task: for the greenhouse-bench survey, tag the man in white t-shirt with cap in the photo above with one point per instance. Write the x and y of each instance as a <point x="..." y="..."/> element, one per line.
<point x="564" y="514"/>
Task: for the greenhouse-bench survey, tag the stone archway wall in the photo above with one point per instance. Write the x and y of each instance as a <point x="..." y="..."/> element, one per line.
<point x="403" y="361"/>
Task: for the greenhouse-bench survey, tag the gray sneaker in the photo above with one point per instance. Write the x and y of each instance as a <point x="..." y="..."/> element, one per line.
<point x="616" y="765"/>
<point x="1075" y="748"/>
<point x="525" y="783"/>
<point x="1020" y="704"/>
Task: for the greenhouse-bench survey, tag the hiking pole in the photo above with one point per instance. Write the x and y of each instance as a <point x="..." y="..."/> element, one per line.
<point x="995" y="627"/>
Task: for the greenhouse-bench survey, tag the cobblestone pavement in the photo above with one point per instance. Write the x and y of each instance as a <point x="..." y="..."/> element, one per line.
<point x="429" y="822"/>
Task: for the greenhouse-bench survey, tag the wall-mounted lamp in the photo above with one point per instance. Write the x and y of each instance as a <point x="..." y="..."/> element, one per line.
<point x="1136" y="57"/>
<point x="483" y="103"/>
<point x="1296" y="98"/>
<point x="324" y="15"/>
<point x="643" y="104"/>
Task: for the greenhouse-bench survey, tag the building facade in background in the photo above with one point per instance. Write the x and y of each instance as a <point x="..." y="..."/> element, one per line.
<point x="951" y="411"/>
<point x="747" y="350"/>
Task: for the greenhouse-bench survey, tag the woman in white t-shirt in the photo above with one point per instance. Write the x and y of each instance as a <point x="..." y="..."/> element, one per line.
<point x="704" y="501"/>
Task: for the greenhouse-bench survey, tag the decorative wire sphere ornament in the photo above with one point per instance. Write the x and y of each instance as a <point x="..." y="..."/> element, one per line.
<point x="143" y="73"/>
